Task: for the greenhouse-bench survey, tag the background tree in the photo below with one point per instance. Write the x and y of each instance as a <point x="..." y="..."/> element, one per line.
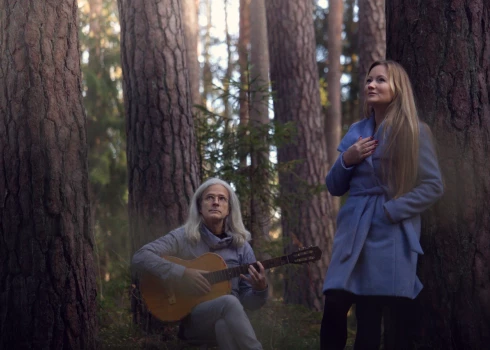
<point x="47" y="275"/>
<point x="191" y="32"/>
<point x="445" y="47"/>
<point x="349" y="59"/>
<point x="260" y="206"/>
<point x="162" y="161"/>
<point x="350" y="65"/>
<point x="333" y="120"/>
<point x="372" y="39"/>
<point x="207" y="73"/>
<point x="243" y="63"/>
<point x="306" y="220"/>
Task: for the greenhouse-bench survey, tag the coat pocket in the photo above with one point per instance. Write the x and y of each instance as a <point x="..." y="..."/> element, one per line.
<point x="412" y="236"/>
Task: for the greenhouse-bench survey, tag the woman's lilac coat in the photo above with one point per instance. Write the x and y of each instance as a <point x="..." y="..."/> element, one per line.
<point x="373" y="255"/>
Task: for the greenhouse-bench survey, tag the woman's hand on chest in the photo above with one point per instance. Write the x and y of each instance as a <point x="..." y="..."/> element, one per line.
<point x="359" y="151"/>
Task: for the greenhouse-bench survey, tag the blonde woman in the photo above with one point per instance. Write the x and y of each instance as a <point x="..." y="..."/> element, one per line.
<point x="388" y="165"/>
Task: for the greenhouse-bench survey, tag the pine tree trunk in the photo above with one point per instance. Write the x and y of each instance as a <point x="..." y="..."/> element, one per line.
<point x="228" y="151"/>
<point x="243" y="43"/>
<point x="334" y="111"/>
<point x="372" y="40"/>
<point x="445" y="47"/>
<point x="333" y="121"/>
<point x="47" y="272"/>
<point x="162" y="161"/>
<point x="259" y="117"/>
<point x="191" y="31"/>
<point x="207" y="74"/>
<point x="306" y="217"/>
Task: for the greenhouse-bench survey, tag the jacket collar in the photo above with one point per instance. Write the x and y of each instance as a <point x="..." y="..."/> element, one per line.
<point x="213" y="241"/>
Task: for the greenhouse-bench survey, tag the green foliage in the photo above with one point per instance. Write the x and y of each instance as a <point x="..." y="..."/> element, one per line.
<point x="106" y="138"/>
<point x="115" y="320"/>
<point x="240" y="153"/>
<point x="229" y="148"/>
<point x="350" y="71"/>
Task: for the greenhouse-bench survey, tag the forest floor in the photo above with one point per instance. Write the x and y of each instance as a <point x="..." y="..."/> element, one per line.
<point x="278" y="326"/>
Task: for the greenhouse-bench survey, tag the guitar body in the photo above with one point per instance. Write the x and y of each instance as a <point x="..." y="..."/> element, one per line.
<point x="169" y="301"/>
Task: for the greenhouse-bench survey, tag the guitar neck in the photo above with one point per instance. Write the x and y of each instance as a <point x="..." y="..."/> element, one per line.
<point x="228" y="274"/>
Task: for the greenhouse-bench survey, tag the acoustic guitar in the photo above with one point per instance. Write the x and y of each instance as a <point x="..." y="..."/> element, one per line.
<point x="169" y="302"/>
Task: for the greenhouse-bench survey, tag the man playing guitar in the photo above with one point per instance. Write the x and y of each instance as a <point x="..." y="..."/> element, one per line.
<point x="214" y="225"/>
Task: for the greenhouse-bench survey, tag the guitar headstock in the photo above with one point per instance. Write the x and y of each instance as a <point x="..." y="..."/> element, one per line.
<point x="305" y="255"/>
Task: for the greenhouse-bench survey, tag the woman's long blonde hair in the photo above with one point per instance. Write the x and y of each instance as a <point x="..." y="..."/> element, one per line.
<point x="400" y="131"/>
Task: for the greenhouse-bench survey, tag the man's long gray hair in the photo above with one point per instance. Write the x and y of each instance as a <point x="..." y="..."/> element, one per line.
<point x="233" y="222"/>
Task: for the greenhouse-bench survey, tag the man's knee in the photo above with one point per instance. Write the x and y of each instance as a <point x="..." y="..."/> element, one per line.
<point x="230" y="305"/>
<point x="230" y="302"/>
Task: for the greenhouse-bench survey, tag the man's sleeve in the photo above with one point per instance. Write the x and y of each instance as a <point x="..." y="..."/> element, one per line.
<point x="149" y="257"/>
<point x="251" y="299"/>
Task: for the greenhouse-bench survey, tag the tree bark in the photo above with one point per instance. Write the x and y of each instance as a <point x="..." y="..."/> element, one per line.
<point x="372" y="40"/>
<point x="307" y="219"/>
<point x="445" y="47"/>
<point x="333" y="121"/>
<point x="259" y="118"/>
<point x="162" y="160"/>
<point x="47" y="273"/>
<point x="207" y="74"/>
<point x="334" y="111"/>
<point x="191" y="32"/>
<point x="228" y="151"/>
<point x="243" y="44"/>
<point x="228" y="108"/>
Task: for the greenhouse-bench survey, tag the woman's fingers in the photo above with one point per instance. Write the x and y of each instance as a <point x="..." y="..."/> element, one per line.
<point x="363" y="148"/>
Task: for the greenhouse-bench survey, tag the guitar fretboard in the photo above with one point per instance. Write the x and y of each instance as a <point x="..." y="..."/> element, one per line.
<point x="227" y="274"/>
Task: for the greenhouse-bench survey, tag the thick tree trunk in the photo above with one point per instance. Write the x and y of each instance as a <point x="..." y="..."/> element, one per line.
<point x="47" y="273"/>
<point x="445" y="47"/>
<point x="191" y="31"/>
<point x="372" y="39"/>
<point x="162" y="161"/>
<point x="306" y="219"/>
